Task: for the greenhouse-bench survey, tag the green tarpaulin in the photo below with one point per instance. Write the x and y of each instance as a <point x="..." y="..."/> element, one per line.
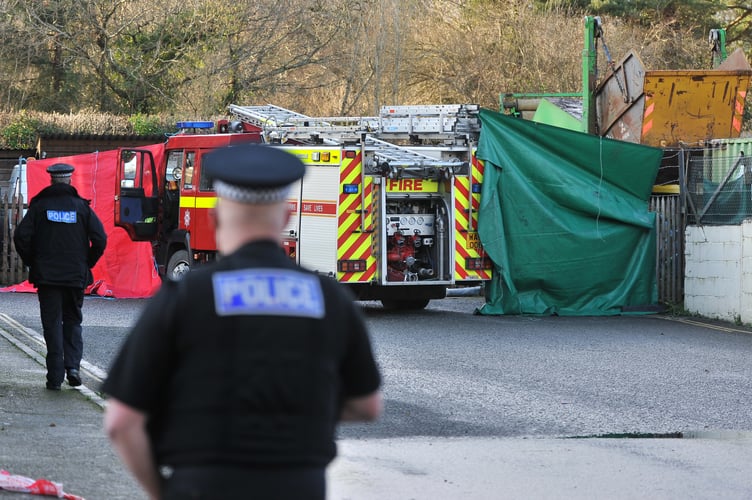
<point x="564" y="216"/>
<point x="550" y="113"/>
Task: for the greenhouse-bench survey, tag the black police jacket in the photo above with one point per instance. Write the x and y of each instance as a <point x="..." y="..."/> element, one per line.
<point x="60" y="238"/>
<point x="227" y="379"/>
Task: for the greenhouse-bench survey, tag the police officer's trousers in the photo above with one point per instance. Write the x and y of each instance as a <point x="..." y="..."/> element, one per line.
<point x="227" y="482"/>
<point x="60" y="309"/>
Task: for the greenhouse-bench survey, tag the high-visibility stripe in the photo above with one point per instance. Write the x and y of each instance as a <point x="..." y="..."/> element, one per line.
<point x="206" y="202"/>
<point x="476" y="174"/>
<point x="647" y="117"/>
<point x="198" y="201"/>
<point x="308" y="207"/>
<point x="737" y="119"/>
<point x="467" y="243"/>
<point x="350" y="170"/>
<point x="355" y="239"/>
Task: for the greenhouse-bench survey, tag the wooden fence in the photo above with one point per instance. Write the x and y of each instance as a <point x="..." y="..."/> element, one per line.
<point x="12" y="269"/>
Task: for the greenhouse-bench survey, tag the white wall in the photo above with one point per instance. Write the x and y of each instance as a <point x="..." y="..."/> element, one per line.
<point x="718" y="272"/>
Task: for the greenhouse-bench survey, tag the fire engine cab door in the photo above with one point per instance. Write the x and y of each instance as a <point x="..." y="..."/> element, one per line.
<point x="137" y="198"/>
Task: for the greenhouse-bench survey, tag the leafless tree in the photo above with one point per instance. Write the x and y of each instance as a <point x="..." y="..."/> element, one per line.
<point x="320" y="57"/>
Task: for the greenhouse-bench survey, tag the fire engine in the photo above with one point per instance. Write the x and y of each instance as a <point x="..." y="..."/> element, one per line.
<point x="388" y="204"/>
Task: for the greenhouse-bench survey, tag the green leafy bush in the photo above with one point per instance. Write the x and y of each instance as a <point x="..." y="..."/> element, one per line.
<point x="146" y="125"/>
<point x="21" y="133"/>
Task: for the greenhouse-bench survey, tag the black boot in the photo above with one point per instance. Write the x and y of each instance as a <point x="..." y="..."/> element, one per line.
<point x="74" y="378"/>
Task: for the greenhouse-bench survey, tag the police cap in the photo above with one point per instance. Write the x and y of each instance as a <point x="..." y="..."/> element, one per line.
<point x="252" y="173"/>
<point x="60" y="170"/>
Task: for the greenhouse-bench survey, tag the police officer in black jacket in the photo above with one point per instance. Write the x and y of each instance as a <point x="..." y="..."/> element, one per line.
<point x="233" y="379"/>
<point x="60" y="239"/>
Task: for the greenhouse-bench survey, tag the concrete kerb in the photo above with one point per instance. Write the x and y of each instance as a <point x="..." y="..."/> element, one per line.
<point x="53" y="435"/>
<point x="27" y="334"/>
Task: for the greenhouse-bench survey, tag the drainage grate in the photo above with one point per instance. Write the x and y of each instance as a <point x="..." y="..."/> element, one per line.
<point x="633" y="435"/>
<point x="710" y="434"/>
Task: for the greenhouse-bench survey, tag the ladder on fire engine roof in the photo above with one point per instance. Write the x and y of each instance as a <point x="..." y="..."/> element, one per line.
<point x="392" y="159"/>
<point x="388" y="157"/>
<point x="434" y="122"/>
<point x="279" y="124"/>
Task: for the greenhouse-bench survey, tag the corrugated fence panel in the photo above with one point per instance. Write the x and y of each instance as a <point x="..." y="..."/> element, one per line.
<point x="670" y="248"/>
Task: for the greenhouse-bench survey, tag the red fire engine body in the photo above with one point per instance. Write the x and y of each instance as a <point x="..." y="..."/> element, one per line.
<point x="396" y="223"/>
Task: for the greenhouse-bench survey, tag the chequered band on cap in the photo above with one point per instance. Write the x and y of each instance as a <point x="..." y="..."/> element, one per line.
<point x="60" y="170"/>
<point x="255" y="195"/>
<point x="252" y="173"/>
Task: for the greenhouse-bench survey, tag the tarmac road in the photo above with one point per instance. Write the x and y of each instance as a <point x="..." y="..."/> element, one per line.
<point x="487" y="407"/>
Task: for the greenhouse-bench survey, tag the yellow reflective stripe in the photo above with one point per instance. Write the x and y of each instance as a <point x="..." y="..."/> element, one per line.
<point x="206" y="202"/>
<point x="198" y="201"/>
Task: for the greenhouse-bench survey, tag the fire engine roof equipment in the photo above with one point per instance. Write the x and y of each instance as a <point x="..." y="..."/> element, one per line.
<point x="445" y="122"/>
<point x="441" y="122"/>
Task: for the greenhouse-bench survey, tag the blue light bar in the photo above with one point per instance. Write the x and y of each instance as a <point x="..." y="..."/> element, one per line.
<point x="195" y="124"/>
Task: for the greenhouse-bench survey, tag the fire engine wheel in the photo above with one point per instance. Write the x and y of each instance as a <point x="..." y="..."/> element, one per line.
<point x="178" y="265"/>
<point x="405" y="305"/>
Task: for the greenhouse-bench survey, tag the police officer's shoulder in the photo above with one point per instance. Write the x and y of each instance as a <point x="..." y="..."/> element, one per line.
<point x="252" y="173"/>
